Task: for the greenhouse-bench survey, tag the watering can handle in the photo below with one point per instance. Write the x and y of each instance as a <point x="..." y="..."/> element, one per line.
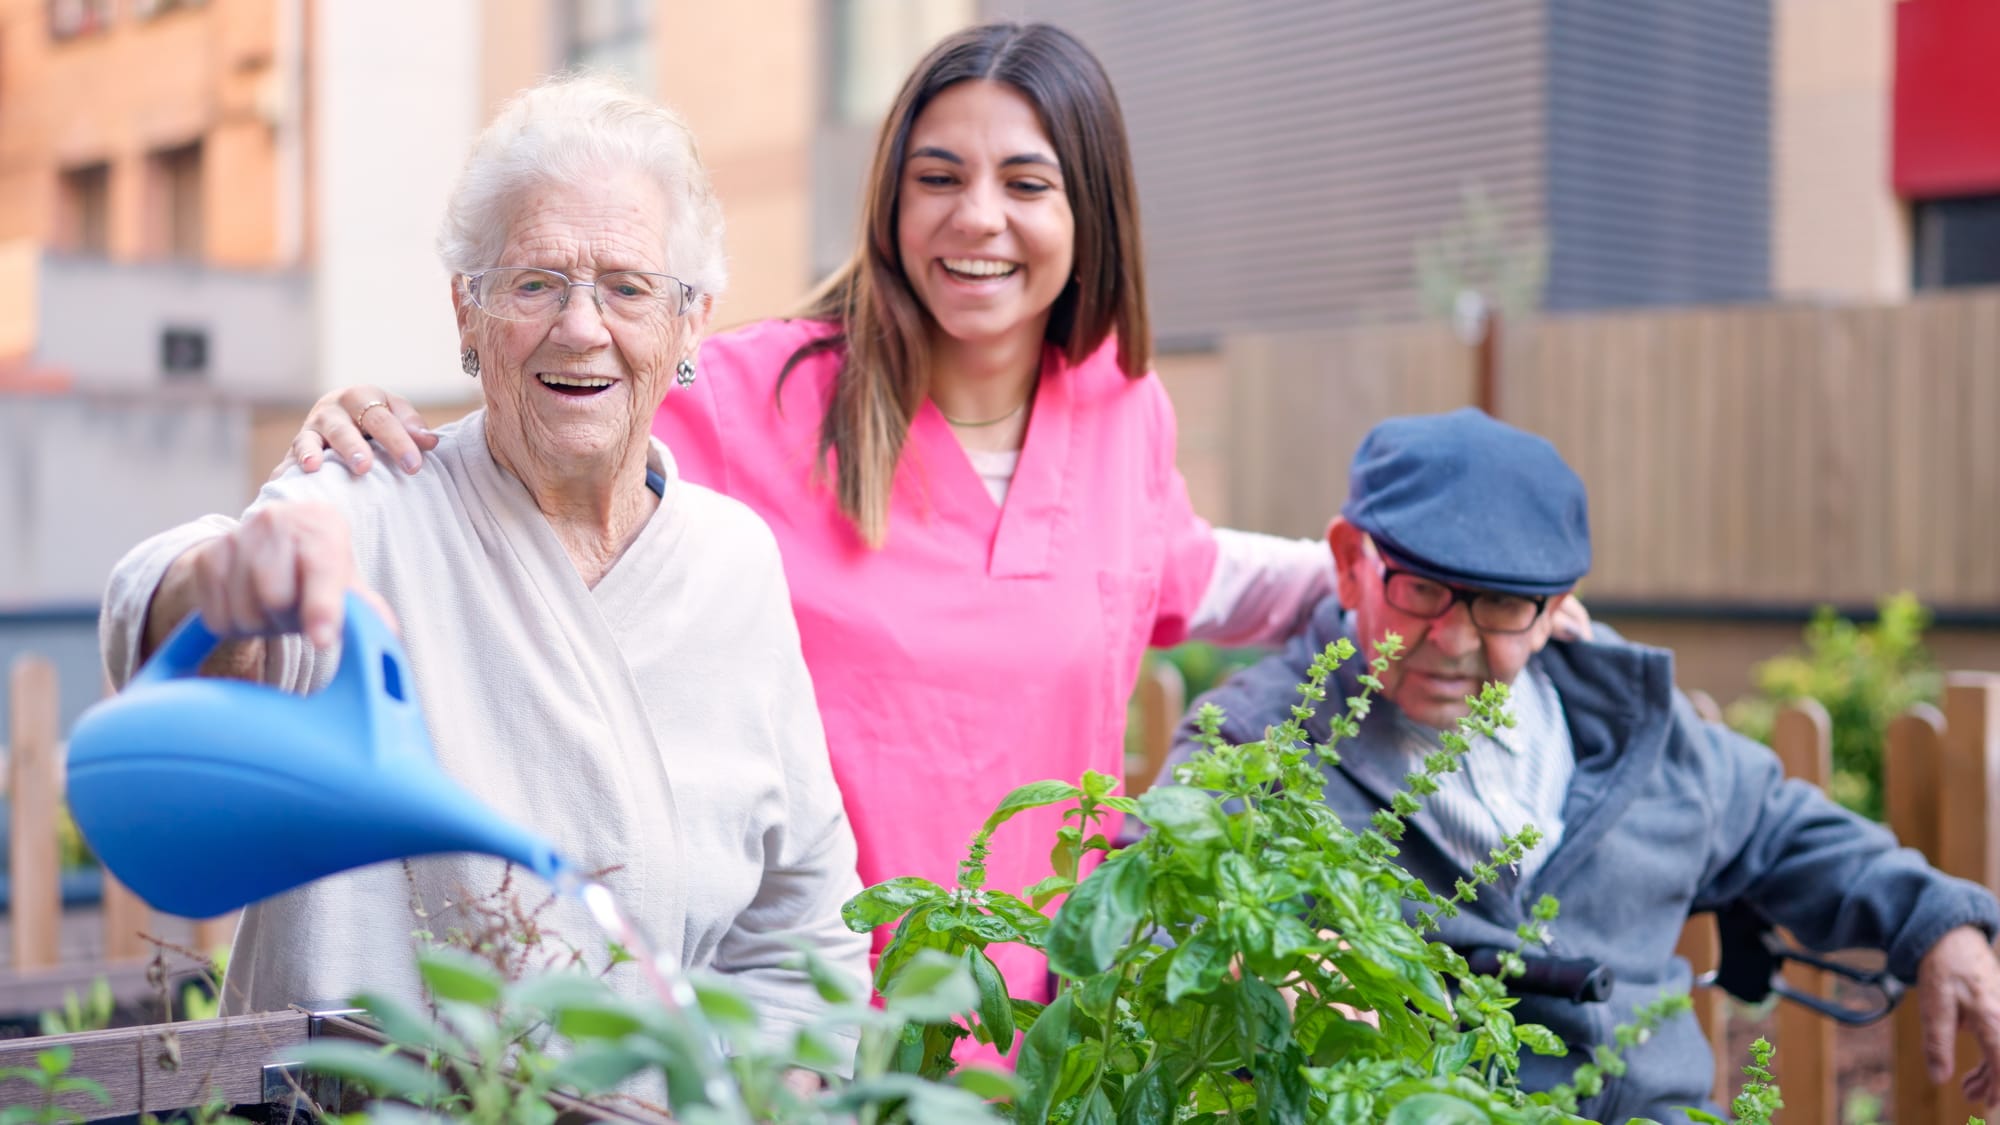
<point x="192" y="640"/>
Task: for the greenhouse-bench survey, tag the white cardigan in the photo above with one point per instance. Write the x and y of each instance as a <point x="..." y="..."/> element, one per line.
<point x="662" y="722"/>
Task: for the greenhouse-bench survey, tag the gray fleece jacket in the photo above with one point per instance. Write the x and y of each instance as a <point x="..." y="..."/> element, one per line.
<point x="1667" y="817"/>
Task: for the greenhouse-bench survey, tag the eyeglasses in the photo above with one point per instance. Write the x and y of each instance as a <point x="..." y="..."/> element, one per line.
<point x="526" y="294"/>
<point x="1492" y="611"/>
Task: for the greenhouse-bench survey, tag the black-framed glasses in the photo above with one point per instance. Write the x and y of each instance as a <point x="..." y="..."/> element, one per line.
<point x="1491" y="610"/>
<point x="525" y="293"/>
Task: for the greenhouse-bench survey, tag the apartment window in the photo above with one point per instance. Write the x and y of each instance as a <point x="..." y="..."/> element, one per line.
<point x="84" y="210"/>
<point x="612" y="35"/>
<point x="177" y="227"/>
<point x="876" y="42"/>
<point x="1957" y="242"/>
<point x="70" y="18"/>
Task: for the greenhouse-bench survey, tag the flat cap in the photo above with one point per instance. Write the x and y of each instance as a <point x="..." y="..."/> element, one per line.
<point x="1471" y="501"/>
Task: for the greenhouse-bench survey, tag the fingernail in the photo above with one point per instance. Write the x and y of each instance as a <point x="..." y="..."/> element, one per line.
<point x="411" y="461"/>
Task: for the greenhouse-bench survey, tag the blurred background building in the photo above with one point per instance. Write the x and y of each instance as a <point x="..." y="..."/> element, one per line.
<point x="213" y="210"/>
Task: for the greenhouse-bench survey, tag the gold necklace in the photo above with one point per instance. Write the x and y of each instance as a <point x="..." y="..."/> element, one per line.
<point x="985" y="422"/>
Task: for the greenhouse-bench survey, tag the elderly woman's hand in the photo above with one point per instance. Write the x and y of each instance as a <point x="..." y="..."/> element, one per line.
<point x="285" y="569"/>
<point x="344" y="420"/>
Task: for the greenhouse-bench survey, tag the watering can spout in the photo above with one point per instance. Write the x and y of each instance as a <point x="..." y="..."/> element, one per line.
<point x="205" y="795"/>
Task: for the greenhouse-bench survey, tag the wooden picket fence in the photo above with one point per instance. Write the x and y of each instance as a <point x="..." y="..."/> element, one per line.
<point x="39" y="970"/>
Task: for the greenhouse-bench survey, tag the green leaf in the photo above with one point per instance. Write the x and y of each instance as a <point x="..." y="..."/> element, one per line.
<point x="996" y="1009"/>
<point x="1062" y="857"/>
<point x="1452" y="1055"/>
<point x="1436" y="1109"/>
<point x="722" y="1003"/>
<point x="1096" y="995"/>
<point x="1198" y="966"/>
<point x="598" y="1066"/>
<point x="579" y="1006"/>
<point x="1332" y="1038"/>
<point x="1033" y="795"/>
<point x="1043" y="891"/>
<point x="1262" y="1015"/>
<point x="924" y="1103"/>
<point x="833" y="984"/>
<point x="932" y="988"/>
<point x="993" y="1085"/>
<point x="1187" y="817"/>
<point x="931" y="1104"/>
<point x="377" y="1069"/>
<point x="1096" y="1110"/>
<point x="912" y="937"/>
<point x="1239" y="880"/>
<point x="1029" y="922"/>
<point x="1099" y="916"/>
<point x="1149" y="1099"/>
<point x="883" y="903"/>
<point x="55" y="1060"/>
<point x="1278" y="1076"/>
<point x="1041" y="1063"/>
<point x="1080" y="1066"/>
<point x="452" y="974"/>
<point x="1540" y="1039"/>
<point x="406" y="1025"/>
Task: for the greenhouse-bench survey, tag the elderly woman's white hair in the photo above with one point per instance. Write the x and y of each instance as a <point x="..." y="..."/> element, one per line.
<point x="570" y="129"/>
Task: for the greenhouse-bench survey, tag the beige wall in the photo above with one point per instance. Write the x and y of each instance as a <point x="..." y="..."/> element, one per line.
<point x="1839" y="231"/>
<point x="116" y="97"/>
<point x="517" y="47"/>
<point x="746" y="76"/>
<point x="120" y="95"/>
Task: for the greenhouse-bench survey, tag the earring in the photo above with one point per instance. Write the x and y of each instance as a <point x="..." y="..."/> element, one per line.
<point x="468" y="361"/>
<point x="684" y="373"/>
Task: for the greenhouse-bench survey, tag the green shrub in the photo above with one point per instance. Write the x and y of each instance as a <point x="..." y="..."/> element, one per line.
<point x="1864" y="675"/>
<point x="1214" y="972"/>
<point x="1211" y="972"/>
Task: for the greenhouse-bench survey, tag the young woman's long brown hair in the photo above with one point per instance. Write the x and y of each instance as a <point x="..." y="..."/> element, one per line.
<point x="884" y="328"/>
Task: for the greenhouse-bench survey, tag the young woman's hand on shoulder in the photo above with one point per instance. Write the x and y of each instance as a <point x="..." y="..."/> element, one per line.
<point x="343" y="421"/>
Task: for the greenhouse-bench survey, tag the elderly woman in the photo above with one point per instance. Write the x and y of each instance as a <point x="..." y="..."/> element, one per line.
<point x="606" y="650"/>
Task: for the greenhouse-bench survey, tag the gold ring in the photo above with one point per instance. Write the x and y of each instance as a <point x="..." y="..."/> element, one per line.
<point x="363" y="412"/>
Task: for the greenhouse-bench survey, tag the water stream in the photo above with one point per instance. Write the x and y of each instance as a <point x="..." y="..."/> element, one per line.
<point x="667" y="981"/>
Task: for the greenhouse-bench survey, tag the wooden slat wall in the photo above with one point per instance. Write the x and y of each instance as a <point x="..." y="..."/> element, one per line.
<point x="1778" y="454"/>
<point x="1774" y="454"/>
<point x="1300" y="402"/>
<point x="1292" y="153"/>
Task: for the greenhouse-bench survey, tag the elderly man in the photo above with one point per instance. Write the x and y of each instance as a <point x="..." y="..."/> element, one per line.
<point x="1461" y="535"/>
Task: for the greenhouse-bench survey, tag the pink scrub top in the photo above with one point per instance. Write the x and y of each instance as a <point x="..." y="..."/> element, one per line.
<point x="981" y="647"/>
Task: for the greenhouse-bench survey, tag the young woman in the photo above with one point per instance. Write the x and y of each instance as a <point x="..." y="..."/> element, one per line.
<point x="967" y="462"/>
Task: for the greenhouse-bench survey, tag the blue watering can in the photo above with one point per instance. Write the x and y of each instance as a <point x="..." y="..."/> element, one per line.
<point x="204" y="795"/>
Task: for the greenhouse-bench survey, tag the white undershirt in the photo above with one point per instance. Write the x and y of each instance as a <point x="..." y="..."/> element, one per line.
<point x="996" y="470"/>
<point x="1263" y="585"/>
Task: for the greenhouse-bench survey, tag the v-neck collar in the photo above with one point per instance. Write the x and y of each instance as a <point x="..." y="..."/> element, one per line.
<point x="1024" y="526"/>
<point x="503" y="491"/>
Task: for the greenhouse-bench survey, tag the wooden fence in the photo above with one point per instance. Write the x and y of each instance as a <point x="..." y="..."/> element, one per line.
<point x="1772" y="453"/>
<point x="39" y="969"/>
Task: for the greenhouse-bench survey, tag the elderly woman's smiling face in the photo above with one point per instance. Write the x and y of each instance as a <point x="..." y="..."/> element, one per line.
<point x="574" y="395"/>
